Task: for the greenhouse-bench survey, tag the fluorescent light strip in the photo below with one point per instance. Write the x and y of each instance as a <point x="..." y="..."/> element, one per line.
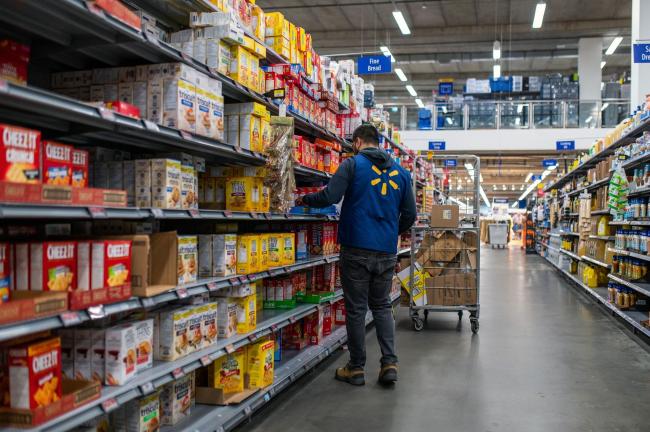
<point x="615" y="43"/>
<point x="538" y="20"/>
<point x="605" y="105"/>
<point x="400" y="74"/>
<point x="419" y="102"/>
<point x="602" y="64"/>
<point x="401" y="23"/>
<point x="387" y="53"/>
<point x="496" y="50"/>
<point x="484" y="196"/>
<point x="496" y="71"/>
<point x="411" y="90"/>
<point x="528" y="177"/>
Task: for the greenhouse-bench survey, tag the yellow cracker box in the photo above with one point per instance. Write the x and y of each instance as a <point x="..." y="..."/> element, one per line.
<point x="243" y="194"/>
<point x="264" y="252"/>
<point x="187" y="259"/>
<point x="227" y="373"/>
<point x="259" y="365"/>
<point x="288" y="248"/>
<point x="275" y="249"/>
<point x="240" y="64"/>
<point x="247" y="253"/>
<point x="246" y="313"/>
<point x="277" y="25"/>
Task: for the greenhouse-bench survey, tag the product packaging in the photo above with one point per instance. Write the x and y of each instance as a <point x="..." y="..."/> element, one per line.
<point x="20" y="152"/>
<point x="121" y="354"/>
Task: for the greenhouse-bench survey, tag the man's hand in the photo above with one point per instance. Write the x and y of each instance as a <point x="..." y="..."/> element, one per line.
<point x="300" y="202"/>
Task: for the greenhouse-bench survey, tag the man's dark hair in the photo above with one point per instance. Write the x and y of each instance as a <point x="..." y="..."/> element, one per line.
<point x="367" y="133"/>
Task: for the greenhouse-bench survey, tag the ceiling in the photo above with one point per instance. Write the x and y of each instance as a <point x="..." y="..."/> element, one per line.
<point x="453" y="38"/>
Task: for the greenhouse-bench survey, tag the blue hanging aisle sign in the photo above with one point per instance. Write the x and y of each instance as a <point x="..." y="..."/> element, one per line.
<point x="500" y="200"/>
<point x="437" y="145"/>
<point x="450" y="163"/>
<point x="547" y="163"/>
<point x="565" y="145"/>
<point x="642" y="53"/>
<point x="373" y="65"/>
<point x="536" y="177"/>
<point x="445" y="88"/>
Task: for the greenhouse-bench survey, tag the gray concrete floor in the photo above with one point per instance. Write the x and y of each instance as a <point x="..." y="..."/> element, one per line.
<point x="546" y="359"/>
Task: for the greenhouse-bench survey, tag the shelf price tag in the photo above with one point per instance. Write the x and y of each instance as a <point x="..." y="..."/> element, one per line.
<point x="233" y="281"/>
<point x="211" y="286"/>
<point x="157" y="213"/>
<point x="149" y="125"/>
<point x="274" y="327"/>
<point x="267" y="216"/>
<point x="147" y="302"/>
<point x="94" y="9"/>
<point x="252" y="337"/>
<point x="247" y="410"/>
<point x="292" y="319"/>
<point x="186" y="57"/>
<point x="205" y="360"/>
<point x="253" y="215"/>
<point x="146" y="388"/>
<point x="106" y="114"/>
<point x="97" y="212"/>
<point x="229" y="348"/>
<point x="70" y="318"/>
<point x="186" y="135"/>
<point x="109" y="405"/>
<point x="96" y="312"/>
<point x="151" y="38"/>
<point x="267" y="397"/>
<point x="4" y="86"/>
<point x="178" y="372"/>
<point x="181" y="292"/>
<point x="227" y="214"/>
<point x="194" y="213"/>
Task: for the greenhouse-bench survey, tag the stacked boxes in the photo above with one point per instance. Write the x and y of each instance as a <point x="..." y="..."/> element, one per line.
<point x="244" y="127"/>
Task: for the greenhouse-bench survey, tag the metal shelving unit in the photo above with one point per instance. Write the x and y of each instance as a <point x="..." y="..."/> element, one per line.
<point x="570" y="254"/>
<point x="631" y="254"/>
<point x="643" y="288"/>
<point x="595" y="261"/>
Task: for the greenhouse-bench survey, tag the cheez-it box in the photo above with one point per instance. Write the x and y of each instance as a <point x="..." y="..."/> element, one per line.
<point x="19" y="154"/>
<point x="79" y="168"/>
<point x="111" y="263"/>
<point x="57" y="163"/>
<point x="35" y="374"/>
<point x="53" y="266"/>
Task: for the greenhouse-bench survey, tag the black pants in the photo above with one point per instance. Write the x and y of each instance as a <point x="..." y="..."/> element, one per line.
<point x="366" y="277"/>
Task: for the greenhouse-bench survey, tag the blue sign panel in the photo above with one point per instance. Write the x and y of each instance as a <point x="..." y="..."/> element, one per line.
<point x="445" y="88"/>
<point x="436" y="145"/>
<point x="546" y="163"/>
<point x="536" y="177"/>
<point x="500" y="200"/>
<point x="642" y="53"/>
<point x="565" y="145"/>
<point x="373" y="65"/>
<point x="451" y="162"/>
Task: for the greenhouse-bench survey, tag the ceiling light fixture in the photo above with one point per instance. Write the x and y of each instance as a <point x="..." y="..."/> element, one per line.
<point x="411" y="90"/>
<point x="401" y="22"/>
<point x="589" y="119"/>
<point x="444" y="109"/>
<point x="449" y="121"/>
<point x="387" y="53"/>
<point x="605" y="105"/>
<point x="496" y="50"/>
<point x="400" y="74"/>
<point x="602" y="64"/>
<point x="538" y="20"/>
<point x="504" y="187"/>
<point x="496" y="71"/>
<point x="528" y="177"/>
<point x="530" y="188"/>
<point x="615" y="43"/>
<point x="419" y="102"/>
<point x="522" y="187"/>
<point x="512" y="187"/>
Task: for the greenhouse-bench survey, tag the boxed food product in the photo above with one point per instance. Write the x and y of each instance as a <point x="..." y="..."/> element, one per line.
<point x="187" y="259"/>
<point x="166" y="183"/>
<point x="204" y="120"/>
<point x="259" y="366"/>
<point x="247" y="253"/>
<point x="79" y="168"/>
<point x="227" y="373"/>
<point x="20" y="157"/>
<point x="188" y="187"/>
<point x="121" y="354"/>
<point x="288" y="248"/>
<point x="274" y="249"/>
<point x="175" y="400"/>
<point x="143" y="182"/>
<point x="35" y="374"/>
<point x="14" y="61"/>
<point x="111" y="263"/>
<point x="52" y="265"/>
<point x="246" y="313"/>
<point x="143" y="415"/>
<point x="83" y="354"/>
<point x="179" y="97"/>
<point x="98" y="354"/>
<point x="67" y="352"/>
<point x="243" y="194"/>
<point x="195" y="328"/>
<point x="173" y="334"/>
<point x="57" y="163"/>
<point x="6" y="268"/>
<point x="144" y="343"/>
<point x="227" y="317"/>
<point x="264" y="252"/>
<point x="210" y="328"/>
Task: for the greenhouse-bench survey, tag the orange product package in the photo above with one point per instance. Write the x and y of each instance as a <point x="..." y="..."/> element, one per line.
<point x="79" y="168"/>
<point x="20" y="154"/>
<point x="35" y="374"/>
<point x="57" y="163"/>
<point x="111" y="263"/>
<point x="53" y="266"/>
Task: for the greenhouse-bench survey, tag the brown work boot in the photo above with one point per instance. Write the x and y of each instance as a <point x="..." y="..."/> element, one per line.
<point x="388" y="374"/>
<point x="350" y="375"/>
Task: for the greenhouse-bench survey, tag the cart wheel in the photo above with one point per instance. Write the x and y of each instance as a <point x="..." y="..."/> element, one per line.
<point x="426" y="315"/>
<point x="474" y="324"/>
<point x="418" y="324"/>
<point x="460" y="315"/>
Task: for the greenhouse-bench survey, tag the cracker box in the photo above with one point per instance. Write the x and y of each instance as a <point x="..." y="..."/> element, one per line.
<point x="173" y="334"/>
<point x="143" y="415"/>
<point x="83" y="354"/>
<point x="243" y="194"/>
<point x="224" y="255"/>
<point x="84" y="265"/>
<point x="144" y="344"/>
<point x="175" y="400"/>
<point x="259" y="365"/>
<point x="226" y="318"/>
<point x="98" y="354"/>
<point x="35" y="374"/>
<point x="189" y="199"/>
<point x="264" y="252"/>
<point x="247" y="253"/>
<point x="195" y="328"/>
<point x="57" y="163"/>
<point x="204" y="120"/>
<point x="274" y="258"/>
<point x="67" y="352"/>
<point x="166" y="183"/>
<point x="288" y="241"/>
<point x="53" y="266"/>
<point x="79" y="168"/>
<point x="111" y="263"/>
<point x="246" y="313"/>
<point x="20" y="154"/>
<point x="210" y="328"/>
<point x="187" y="259"/>
<point x="179" y="98"/>
<point x="227" y="373"/>
<point x="121" y="354"/>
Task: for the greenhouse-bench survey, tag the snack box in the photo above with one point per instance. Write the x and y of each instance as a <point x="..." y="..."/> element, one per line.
<point x="173" y="334"/>
<point x="187" y="259"/>
<point x="111" y="263"/>
<point x="19" y="154"/>
<point x="98" y="355"/>
<point x="247" y="253"/>
<point x="143" y="415"/>
<point x="195" y="328"/>
<point x="57" y="163"/>
<point x="144" y="343"/>
<point x="35" y="374"/>
<point x="243" y="194"/>
<point x="189" y="199"/>
<point x="288" y="243"/>
<point x="259" y="366"/>
<point x="52" y="265"/>
<point x="209" y="315"/>
<point x="165" y="183"/>
<point x="227" y="373"/>
<point x="67" y="352"/>
<point x="227" y="318"/>
<point x="264" y="252"/>
<point x="121" y="354"/>
<point x="217" y="255"/>
<point x="274" y="258"/>
<point x="246" y="313"/>
<point x="6" y="264"/>
<point x="79" y="168"/>
<point x="176" y="400"/>
<point x="83" y="354"/>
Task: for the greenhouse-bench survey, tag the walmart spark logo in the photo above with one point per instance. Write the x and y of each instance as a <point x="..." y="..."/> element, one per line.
<point x="384" y="187"/>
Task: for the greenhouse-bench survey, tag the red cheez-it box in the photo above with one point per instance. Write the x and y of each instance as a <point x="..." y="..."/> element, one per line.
<point x="35" y="374"/>
<point x="19" y="157"/>
<point x="79" y="168"/>
<point x="53" y="266"/>
<point x="57" y="163"/>
<point x="111" y="263"/>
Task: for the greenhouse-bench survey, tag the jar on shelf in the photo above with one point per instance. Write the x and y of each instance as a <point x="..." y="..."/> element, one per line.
<point x="615" y="264"/>
<point x="611" y="293"/>
<point x="643" y="207"/>
<point x="625" y="303"/>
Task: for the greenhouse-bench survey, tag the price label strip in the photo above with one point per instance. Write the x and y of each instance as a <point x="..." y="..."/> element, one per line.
<point x="147" y="388"/>
<point x="109" y="405"/>
<point x="181" y="292"/>
<point x="70" y="318"/>
<point x="194" y="213"/>
<point x="97" y="212"/>
<point x="157" y="213"/>
<point x="212" y="286"/>
<point x="229" y="348"/>
<point x="147" y="302"/>
<point x="177" y="373"/>
<point x="205" y="360"/>
<point x="106" y="114"/>
<point x="96" y="312"/>
<point x="149" y="125"/>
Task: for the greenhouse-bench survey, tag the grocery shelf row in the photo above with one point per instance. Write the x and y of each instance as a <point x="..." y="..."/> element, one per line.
<point x="595" y="261"/>
<point x="70" y="318"/>
<point x="570" y="254"/>
<point x="643" y="288"/>
<point x="631" y="254"/>
<point x="631" y="222"/>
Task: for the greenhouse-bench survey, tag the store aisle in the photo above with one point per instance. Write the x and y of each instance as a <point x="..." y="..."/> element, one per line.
<point x="545" y="359"/>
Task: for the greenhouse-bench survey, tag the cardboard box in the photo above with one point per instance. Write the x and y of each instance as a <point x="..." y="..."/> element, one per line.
<point x="173" y="334"/>
<point x="227" y="373"/>
<point x="209" y="316"/>
<point x="166" y="183"/>
<point x="111" y="263"/>
<point x="444" y="216"/>
<point x="143" y="415"/>
<point x="418" y="293"/>
<point x="57" y="163"/>
<point x="260" y="360"/>
<point x="28" y="305"/>
<point x="187" y="259"/>
<point x="98" y="355"/>
<point x="35" y="374"/>
<point x="246" y="313"/>
<point x="175" y="400"/>
<point x="83" y="343"/>
<point x="227" y="318"/>
<point x="19" y="154"/>
<point x="53" y="266"/>
<point x="79" y="168"/>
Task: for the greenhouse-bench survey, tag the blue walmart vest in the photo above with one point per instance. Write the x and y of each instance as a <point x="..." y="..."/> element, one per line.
<point x="371" y="207"/>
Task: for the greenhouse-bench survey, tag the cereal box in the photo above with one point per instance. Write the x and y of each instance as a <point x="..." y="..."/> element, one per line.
<point x="5" y="271"/>
<point x="247" y="253"/>
<point x="227" y="373"/>
<point x="83" y="354"/>
<point x="226" y="318"/>
<point x="243" y="194"/>
<point x="143" y="415"/>
<point x="246" y="313"/>
<point x="121" y="354"/>
<point x="174" y="339"/>
<point x="288" y="248"/>
<point x="35" y="374"/>
<point x="166" y="183"/>
<point x="79" y="168"/>
<point x="259" y="365"/>
<point x="209" y="326"/>
<point x="111" y="263"/>
<point x="187" y="259"/>
<point x="175" y="400"/>
<point x="53" y="266"/>
<point x="20" y="154"/>
<point x="143" y="183"/>
<point x="195" y="328"/>
<point x="144" y="344"/>
<point x="57" y="163"/>
<point x="98" y="354"/>
<point x="188" y="186"/>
